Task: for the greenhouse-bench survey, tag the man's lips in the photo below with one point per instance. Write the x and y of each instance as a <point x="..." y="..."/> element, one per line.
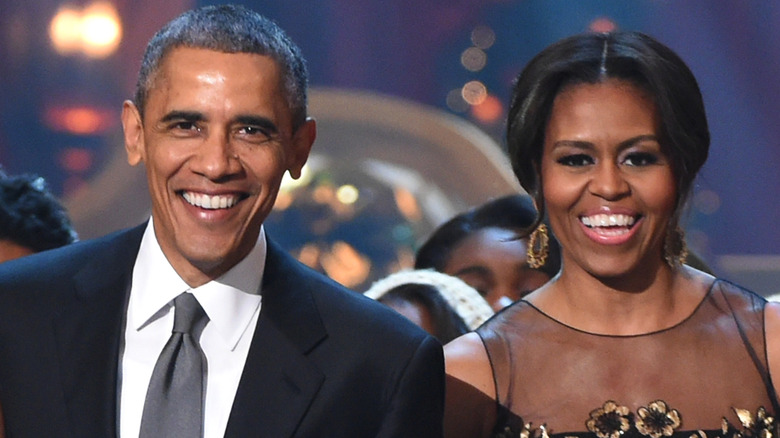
<point x="212" y="202"/>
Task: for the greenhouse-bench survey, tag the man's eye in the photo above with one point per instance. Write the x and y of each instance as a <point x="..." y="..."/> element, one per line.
<point x="186" y="126"/>
<point x="575" y="160"/>
<point x="254" y="134"/>
<point x="640" y="159"/>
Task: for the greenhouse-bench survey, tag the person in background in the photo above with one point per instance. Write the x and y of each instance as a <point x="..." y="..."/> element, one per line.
<point x="483" y="247"/>
<point x="607" y="131"/>
<point x="443" y="305"/>
<point x="196" y="323"/>
<point x="31" y="218"/>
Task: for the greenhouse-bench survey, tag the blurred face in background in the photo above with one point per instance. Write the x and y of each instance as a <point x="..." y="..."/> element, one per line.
<point x="493" y="261"/>
<point x="10" y="250"/>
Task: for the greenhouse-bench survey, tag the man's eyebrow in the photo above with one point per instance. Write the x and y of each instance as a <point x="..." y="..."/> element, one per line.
<point x="262" y="122"/>
<point x="187" y="116"/>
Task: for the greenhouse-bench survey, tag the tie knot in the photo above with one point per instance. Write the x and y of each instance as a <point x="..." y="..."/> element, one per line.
<point x="188" y="315"/>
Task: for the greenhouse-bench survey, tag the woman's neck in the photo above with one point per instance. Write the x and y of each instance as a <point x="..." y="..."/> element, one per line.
<point x="638" y="303"/>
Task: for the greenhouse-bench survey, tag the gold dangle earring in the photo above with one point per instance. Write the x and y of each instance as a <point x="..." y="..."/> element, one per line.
<point x="538" y="247"/>
<point x="675" y="249"/>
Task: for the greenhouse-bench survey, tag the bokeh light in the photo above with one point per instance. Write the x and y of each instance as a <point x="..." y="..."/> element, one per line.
<point x="80" y="119"/>
<point x="344" y="264"/>
<point x="474" y="92"/>
<point x="491" y="110"/>
<point x="347" y="194"/>
<point x="101" y="30"/>
<point x="706" y="201"/>
<point x="65" y="30"/>
<point x="473" y="59"/>
<point x="602" y="24"/>
<point x="77" y="160"/>
<point x="455" y="101"/>
<point x="95" y="31"/>
<point x="483" y="37"/>
<point x="407" y="204"/>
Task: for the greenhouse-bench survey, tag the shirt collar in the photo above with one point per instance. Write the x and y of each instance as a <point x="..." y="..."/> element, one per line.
<point x="230" y="301"/>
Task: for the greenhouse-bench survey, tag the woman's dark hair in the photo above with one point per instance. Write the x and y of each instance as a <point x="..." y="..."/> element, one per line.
<point x="448" y="325"/>
<point x="594" y="58"/>
<point x="511" y="212"/>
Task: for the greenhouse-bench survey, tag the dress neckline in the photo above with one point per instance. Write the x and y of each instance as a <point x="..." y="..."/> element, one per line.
<point x="637" y="335"/>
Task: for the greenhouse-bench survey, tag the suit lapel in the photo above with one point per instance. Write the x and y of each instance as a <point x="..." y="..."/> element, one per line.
<point x="279" y="382"/>
<point x="88" y="332"/>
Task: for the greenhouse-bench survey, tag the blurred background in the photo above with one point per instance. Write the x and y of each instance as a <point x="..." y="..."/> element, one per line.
<point x="411" y="97"/>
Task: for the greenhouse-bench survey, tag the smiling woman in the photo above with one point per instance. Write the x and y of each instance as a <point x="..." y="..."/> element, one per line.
<point x="612" y="190"/>
<point x="607" y="133"/>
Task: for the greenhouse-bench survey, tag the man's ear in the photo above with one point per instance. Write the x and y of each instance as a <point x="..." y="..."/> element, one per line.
<point x="133" y="132"/>
<point x="303" y="139"/>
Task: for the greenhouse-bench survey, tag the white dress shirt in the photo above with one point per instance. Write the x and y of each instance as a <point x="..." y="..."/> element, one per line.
<point x="232" y="303"/>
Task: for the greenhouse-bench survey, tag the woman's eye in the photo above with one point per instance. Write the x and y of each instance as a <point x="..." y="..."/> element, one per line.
<point x="640" y="159"/>
<point x="575" y="160"/>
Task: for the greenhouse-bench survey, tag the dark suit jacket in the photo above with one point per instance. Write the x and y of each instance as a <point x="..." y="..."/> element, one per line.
<point x="324" y="361"/>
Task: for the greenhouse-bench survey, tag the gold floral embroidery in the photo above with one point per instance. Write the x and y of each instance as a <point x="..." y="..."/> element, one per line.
<point x="609" y="421"/>
<point x="657" y="420"/>
<point x="760" y="426"/>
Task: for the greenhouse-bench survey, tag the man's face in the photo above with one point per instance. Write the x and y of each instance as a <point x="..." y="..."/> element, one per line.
<point x="216" y="138"/>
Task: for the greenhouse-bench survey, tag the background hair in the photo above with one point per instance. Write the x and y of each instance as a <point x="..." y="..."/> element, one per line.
<point x="30" y="216"/>
<point x="512" y="212"/>
<point x="447" y="325"/>
<point x="594" y="58"/>
<point x="229" y="29"/>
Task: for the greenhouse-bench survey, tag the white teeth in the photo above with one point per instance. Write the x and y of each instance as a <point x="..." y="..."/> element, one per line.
<point x="210" y="202"/>
<point x="608" y="220"/>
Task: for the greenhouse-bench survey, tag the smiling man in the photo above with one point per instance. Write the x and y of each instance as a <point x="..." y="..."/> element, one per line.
<point x="196" y="323"/>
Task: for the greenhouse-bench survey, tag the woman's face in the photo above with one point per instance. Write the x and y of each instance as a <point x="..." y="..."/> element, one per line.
<point x="609" y="189"/>
<point x="493" y="261"/>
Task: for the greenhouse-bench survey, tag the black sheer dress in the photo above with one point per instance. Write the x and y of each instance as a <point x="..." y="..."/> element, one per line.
<point x="706" y="377"/>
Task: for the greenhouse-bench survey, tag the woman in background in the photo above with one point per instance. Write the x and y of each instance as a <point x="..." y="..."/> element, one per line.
<point x="442" y="305"/>
<point x="483" y="247"/>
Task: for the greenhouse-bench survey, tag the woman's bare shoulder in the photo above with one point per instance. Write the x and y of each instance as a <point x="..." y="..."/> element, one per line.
<point x="470" y="408"/>
<point x="467" y="360"/>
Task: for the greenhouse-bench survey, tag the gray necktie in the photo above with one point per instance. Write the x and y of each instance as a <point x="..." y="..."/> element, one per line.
<point x="174" y="400"/>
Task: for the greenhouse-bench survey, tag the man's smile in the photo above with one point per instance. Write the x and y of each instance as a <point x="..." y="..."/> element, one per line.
<point x="212" y="202"/>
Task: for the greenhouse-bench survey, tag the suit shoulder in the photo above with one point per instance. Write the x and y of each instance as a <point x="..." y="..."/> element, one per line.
<point x="345" y="314"/>
<point x="345" y="309"/>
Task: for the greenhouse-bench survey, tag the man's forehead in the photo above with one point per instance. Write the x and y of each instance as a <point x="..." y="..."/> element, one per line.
<point x="211" y="67"/>
<point x="188" y="77"/>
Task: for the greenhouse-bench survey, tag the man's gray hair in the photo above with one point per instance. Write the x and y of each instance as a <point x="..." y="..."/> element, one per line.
<point x="228" y="29"/>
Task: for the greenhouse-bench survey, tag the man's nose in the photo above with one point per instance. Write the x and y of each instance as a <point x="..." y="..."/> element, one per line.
<point x="216" y="157"/>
